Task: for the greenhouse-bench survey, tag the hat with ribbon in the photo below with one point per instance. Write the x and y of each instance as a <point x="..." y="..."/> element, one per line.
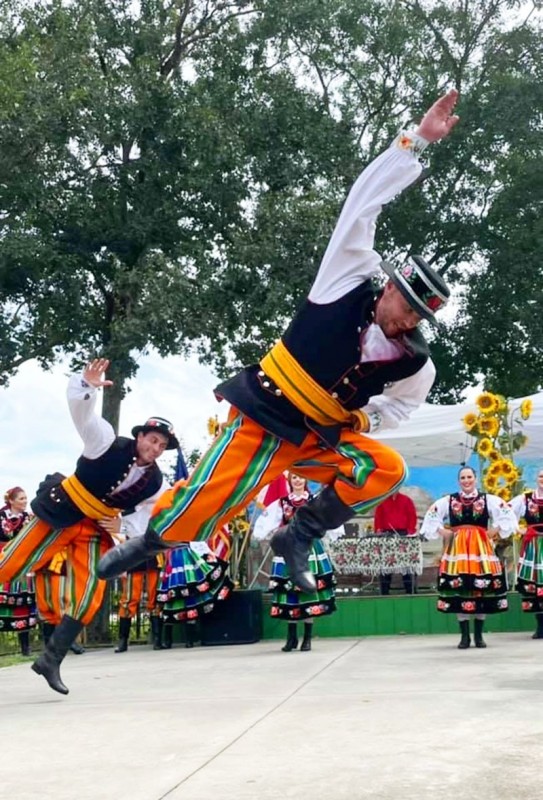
<point x="158" y="425"/>
<point x="420" y="284"/>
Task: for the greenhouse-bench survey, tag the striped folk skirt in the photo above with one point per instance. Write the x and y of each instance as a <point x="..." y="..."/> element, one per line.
<point x="291" y="604"/>
<point x="471" y="578"/>
<point x="17" y="605"/>
<point x="191" y="584"/>
<point x="530" y="571"/>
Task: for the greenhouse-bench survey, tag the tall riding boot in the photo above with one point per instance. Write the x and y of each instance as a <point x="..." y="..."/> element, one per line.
<point x="292" y="638"/>
<point x="77" y="648"/>
<point x="465" y="640"/>
<point x="47" y="630"/>
<point x="48" y="664"/>
<point x="308" y="630"/>
<point x="24" y="643"/>
<point x="539" y="627"/>
<point x="293" y="541"/>
<point x="478" y="633"/>
<point x="384" y="583"/>
<point x="124" y="634"/>
<point x="131" y="553"/>
<point x="156" y="630"/>
<point x="409" y="583"/>
<point x="167" y="636"/>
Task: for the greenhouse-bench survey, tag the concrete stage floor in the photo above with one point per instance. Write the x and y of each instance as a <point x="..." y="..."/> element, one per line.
<point x="382" y="717"/>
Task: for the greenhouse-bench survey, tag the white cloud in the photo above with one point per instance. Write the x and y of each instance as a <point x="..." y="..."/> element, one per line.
<point x="37" y="433"/>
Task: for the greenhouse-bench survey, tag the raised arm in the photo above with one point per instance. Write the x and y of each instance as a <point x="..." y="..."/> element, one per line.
<point x="97" y="434"/>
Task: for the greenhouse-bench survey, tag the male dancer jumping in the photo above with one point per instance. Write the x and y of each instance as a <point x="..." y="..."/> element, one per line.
<point x="113" y="473"/>
<point x="351" y="362"/>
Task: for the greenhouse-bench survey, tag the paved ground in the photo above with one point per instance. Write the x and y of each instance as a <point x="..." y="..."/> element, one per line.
<point x="403" y="717"/>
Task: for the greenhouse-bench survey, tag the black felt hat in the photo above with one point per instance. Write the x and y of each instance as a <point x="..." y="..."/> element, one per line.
<point x="420" y="284"/>
<point x="158" y="425"/>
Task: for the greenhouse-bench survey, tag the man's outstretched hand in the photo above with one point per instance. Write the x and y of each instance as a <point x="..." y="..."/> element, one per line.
<point x="94" y="373"/>
<point x="438" y="120"/>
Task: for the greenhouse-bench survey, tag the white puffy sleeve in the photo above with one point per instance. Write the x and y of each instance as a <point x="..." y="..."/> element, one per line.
<point x="502" y="516"/>
<point x="435" y="518"/>
<point x="518" y="504"/>
<point x="270" y="519"/>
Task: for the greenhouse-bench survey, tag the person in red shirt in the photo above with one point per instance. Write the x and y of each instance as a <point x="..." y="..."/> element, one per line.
<point x="396" y="514"/>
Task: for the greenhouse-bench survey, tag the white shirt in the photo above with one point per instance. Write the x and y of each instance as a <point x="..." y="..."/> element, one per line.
<point x="350" y="260"/>
<point x="98" y="436"/>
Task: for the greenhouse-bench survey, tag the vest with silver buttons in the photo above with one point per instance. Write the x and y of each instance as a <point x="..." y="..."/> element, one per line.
<point x="326" y="342"/>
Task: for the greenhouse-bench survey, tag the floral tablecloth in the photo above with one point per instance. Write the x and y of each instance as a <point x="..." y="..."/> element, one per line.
<point x="375" y="555"/>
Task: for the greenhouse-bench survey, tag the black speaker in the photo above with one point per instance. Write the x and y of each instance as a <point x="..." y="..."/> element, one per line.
<point x="236" y="620"/>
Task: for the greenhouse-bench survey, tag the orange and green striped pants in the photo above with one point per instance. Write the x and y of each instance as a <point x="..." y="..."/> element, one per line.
<point x="245" y="457"/>
<point x="132" y="592"/>
<point x="35" y="546"/>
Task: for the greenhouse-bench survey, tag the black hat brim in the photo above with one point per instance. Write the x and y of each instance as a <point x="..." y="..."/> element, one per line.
<point x="419" y="307"/>
<point x="173" y="442"/>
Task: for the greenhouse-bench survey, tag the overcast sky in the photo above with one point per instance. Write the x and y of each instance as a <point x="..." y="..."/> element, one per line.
<point x="37" y="435"/>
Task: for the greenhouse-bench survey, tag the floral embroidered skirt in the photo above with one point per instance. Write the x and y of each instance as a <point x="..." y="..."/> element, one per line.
<point x="530" y="572"/>
<point x="191" y="584"/>
<point x="17" y="605"/>
<point x="471" y="578"/>
<point x="291" y="604"/>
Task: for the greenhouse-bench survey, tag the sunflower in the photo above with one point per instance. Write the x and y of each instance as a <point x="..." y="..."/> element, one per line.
<point x="526" y="408"/>
<point x="213" y="426"/>
<point x="488" y="425"/>
<point x="490" y="484"/>
<point x="484" y="446"/>
<point x="495" y="469"/>
<point x="470" y="421"/>
<point x="488" y="403"/>
<point x="508" y="468"/>
<point x="494" y="455"/>
<point x="502" y="403"/>
<point x="504" y="493"/>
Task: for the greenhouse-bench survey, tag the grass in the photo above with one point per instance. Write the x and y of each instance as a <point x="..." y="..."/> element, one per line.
<point x="16" y="658"/>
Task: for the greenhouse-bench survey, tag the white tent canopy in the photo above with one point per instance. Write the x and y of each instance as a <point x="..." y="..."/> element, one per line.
<point x="435" y="435"/>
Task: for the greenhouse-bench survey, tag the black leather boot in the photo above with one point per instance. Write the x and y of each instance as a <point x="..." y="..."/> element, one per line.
<point x="293" y="541"/>
<point x="156" y="630"/>
<point x="308" y="630"/>
<point x="190" y="634"/>
<point x="24" y="643"/>
<point x="478" y="633"/>
<point x="167" y="636"/>
<point x="465" y="640"/>
<point x="539" y="627"/>
<point x="124" y="634"/>
<point x="47" y="630"/>
<point x="48" y="664"/>
<point x="130" y="554"/>
<point x="292" y="638"/>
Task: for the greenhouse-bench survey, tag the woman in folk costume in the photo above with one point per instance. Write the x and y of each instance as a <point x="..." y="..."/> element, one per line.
<point x="17" y="599"/>
<point x="288" y="602"/>
<point x="471" y="579"/>
<point x="529" y="506"/>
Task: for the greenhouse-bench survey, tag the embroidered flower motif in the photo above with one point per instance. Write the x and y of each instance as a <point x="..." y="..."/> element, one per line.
<point x="468" y="606"/>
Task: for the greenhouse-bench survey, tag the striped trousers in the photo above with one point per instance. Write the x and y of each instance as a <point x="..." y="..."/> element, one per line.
<point x="132" y="591"/>
<point x="35" y="546"/>
<point x="245" y="457"/>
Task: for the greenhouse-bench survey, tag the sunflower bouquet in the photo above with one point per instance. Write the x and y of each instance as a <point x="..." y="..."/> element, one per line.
<point x="497" y="430"/>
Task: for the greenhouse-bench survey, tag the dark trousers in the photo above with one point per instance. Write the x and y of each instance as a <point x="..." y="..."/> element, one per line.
<point x="408" y="583"/>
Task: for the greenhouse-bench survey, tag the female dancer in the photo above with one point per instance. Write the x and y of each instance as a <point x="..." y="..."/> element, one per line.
<point x="288" y="602"/>
<point x="529" y="506"/>
<point x="17" y="599"/>
<point x="471" y="579"/>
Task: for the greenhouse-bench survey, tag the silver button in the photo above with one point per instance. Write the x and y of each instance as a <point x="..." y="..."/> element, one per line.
<point x="260" y="373"/>
<point x="266" y="384"/>
<point x="335" y="395"/>
<point x="278" y="392"/>
<point x="359" y="329"/>
<point x="345" y="380"/>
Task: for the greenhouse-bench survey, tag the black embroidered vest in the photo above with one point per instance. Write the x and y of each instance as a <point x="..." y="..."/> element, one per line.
<point x="100" y="476"/>
<point x="533" y="513"/>
<point x="468" y="511"/>
<point x="326" y="341"/>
